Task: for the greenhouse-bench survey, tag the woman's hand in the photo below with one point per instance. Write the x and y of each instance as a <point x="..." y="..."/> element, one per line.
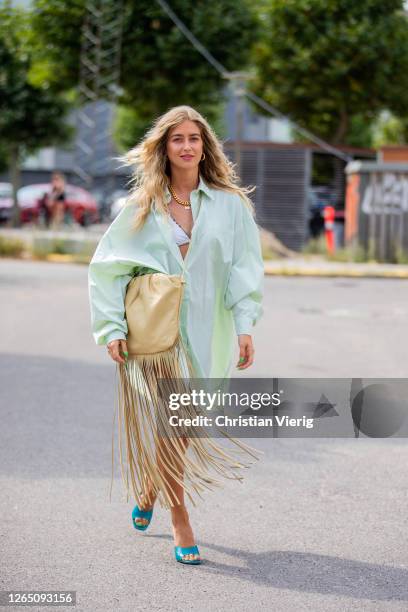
<point x="246" y="351"/>
<point x="115" y="348"/>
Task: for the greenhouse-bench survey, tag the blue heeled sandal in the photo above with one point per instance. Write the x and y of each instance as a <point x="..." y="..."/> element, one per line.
<point x="180" y="551"/>
<point x="145" y="514"/>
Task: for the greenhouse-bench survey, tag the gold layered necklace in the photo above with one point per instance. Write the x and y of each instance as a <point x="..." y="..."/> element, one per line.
<point x="185" y="203"/>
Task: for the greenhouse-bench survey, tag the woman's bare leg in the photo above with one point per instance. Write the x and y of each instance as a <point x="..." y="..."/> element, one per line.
<point x="182" y="531"/>
<point x="166" y="459"/>
<point x="147" y="504"/>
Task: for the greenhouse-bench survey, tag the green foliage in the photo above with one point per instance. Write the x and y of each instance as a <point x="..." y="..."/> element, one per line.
<point x="401" y="256"/>
<point x="56" y="38"/>
<point x="361" y="130"/>
<point x="3" y="156"/>
<point x="80" y="250"/>
<point x="317" y="246"/>
<point x="269" y="254"/>
<point x="130" y="127"/>
<point x="11" y="247"/>
<point x="326" y="62"/>
<point x="354" y="254"/>
<point x="160" y="67"/>
<point x="390" y="130"/>
<point x="31" y="116"/>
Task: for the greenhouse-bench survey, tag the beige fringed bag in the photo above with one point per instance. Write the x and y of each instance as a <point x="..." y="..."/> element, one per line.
<point x="155" y="450"/>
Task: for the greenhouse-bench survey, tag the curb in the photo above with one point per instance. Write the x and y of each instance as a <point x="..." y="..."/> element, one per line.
<point x="60" y="257"/>
<point x="282" y="270"/>
<point x="339" y="272"/>
<point x="351" y="272"/>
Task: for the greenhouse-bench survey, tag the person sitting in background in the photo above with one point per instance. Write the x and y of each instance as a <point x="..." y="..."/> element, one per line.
<point x="56" y="200"/>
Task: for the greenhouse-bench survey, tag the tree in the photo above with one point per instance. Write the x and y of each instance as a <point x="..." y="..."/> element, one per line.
<point x="333" y="64"/>
<point x="390" y="130"/>
<point x="160" y="67"/>
<point x="129" y="127"/>
<point x="30" y="116"/>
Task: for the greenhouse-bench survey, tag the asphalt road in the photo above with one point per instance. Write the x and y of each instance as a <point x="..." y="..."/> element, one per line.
<point x="318" y="524"/>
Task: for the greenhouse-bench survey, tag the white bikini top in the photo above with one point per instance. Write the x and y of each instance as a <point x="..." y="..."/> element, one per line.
<point x="180" y="235"/>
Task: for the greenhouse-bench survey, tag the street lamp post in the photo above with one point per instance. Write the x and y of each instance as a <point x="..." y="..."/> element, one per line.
<point x="237" y="81"/>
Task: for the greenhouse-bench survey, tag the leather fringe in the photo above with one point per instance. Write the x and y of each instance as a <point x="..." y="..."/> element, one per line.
<point x="155" y="451"/>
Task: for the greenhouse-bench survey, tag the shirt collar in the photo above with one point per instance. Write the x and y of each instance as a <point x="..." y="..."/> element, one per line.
<point x="202" y="186"/>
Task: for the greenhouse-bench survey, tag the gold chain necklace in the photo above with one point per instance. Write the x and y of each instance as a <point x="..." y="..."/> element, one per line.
<point x="185" y="203"/>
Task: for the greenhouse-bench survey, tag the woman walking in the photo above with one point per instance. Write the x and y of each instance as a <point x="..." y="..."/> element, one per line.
<point x="184" y="212"/>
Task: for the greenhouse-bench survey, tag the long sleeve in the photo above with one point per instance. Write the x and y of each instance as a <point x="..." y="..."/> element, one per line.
<point x="107" y="282"/>
<point x="244" y="290"/>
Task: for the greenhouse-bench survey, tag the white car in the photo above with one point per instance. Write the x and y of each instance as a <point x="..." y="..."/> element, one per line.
<point x="6" y="201"/>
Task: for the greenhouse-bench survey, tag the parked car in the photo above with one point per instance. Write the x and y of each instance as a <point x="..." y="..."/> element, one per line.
<point x="6" y="201"/>
<point x="79" y="202"/>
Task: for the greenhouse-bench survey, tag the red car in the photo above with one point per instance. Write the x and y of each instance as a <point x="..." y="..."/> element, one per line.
<point x="79" y="202"/>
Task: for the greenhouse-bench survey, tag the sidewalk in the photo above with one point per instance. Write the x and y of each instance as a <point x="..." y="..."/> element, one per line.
<point x="74" y="232"/>
<point x="317" y="266"/>
<point x="308" y="265"/>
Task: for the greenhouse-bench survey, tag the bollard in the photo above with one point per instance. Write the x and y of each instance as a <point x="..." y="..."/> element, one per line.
<point x="329" y="215"/>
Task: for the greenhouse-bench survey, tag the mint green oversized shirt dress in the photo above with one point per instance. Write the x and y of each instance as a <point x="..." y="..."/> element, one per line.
<point x="224" y="273"/>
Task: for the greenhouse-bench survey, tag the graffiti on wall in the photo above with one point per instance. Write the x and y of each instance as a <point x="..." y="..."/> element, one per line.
<point x="386" y="193"/>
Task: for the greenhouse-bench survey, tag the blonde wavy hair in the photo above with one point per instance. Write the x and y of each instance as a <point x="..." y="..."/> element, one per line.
<point x="152" y="167"/>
